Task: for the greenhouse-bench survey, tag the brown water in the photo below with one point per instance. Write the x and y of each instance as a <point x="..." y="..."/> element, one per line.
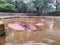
<point x="53" y="35"/>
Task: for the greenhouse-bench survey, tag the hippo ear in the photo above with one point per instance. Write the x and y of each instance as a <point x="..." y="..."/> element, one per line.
<point x="39" y="24"/>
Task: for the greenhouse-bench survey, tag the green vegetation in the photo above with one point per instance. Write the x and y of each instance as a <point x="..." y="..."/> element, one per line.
<point x="29" y="6"/>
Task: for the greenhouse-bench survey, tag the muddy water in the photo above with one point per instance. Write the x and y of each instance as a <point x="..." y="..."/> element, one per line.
<point x="53" y="35"/>
<point x="2" y="40"/>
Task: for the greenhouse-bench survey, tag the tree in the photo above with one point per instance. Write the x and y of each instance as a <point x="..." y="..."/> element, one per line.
<point x="20" y="6"/>
<point x="5" y="6"/>
<point x="41" y="5"/>
<point x="25" y="6"/>
<point x="57" y="5"/>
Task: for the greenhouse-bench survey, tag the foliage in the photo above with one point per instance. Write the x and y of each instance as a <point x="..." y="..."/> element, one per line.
<point x="26" y="6"/>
